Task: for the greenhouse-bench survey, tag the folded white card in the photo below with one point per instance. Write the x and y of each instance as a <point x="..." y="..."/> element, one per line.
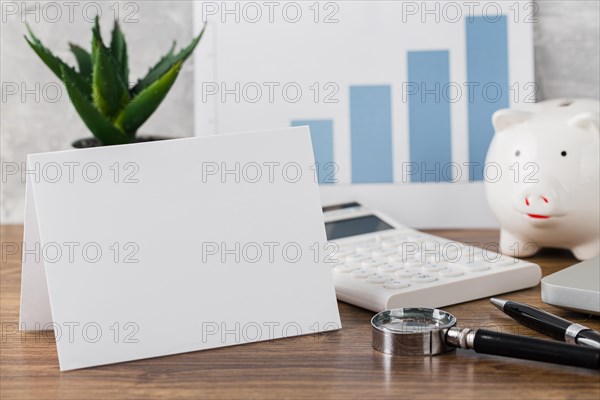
<point x="159" y="248"/>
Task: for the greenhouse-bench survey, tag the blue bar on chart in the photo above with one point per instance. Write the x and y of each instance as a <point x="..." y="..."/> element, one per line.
<point x="429" y="116"/>
<point x="371" y="134"/>
<point x="321" y="134"/>
<point x="487" y="73"/>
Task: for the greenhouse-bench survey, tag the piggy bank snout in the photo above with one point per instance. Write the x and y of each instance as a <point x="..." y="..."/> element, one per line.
<point x="545" y="199"/>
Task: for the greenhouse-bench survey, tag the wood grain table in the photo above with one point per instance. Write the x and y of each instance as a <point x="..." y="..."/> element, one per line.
<point x="333" y="365"/>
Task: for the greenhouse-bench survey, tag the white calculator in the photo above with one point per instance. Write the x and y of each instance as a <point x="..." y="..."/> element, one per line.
<point x="382" y="264"/>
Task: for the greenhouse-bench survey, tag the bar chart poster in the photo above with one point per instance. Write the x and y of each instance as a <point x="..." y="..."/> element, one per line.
<point x="398" y="95"/>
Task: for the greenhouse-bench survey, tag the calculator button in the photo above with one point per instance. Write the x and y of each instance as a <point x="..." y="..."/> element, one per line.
<point x="357" y="258"/>
<point x="433" y="267"/>
<point x="503" y="263"/>
<point x="382" y="253"/>
<point x="413" y="263"/>
<point x="378" y="279"/>
<point x="407" y="272"/>
<point x="397" y="258"/>
<point x="476" y="267"/>
<point x="366" y="250"/>
<point x="390" y="244"/>
<point x="429" y="258"/>
<point x="372" y="263"/>
<point x="396" y="284"/>
<point x="470" y="258"/>
<point x="451" y="273"/>
<point x="361" y="273"/>
<point x="424" y="278"/>
<point x="366" y="247"/>
<point x="389" y="268"/>
<point x="452" y="259"/>
<point x="344" y="269"/>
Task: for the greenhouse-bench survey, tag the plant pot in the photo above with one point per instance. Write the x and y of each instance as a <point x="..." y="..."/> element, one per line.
<point x="93" y="142"/>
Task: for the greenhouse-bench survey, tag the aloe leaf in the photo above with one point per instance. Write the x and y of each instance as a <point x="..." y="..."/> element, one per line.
<point x="147" y="101"/>
<point x="96" y="37"/>
<point x="109" y="91"/>
<point x="84" y="60"/>
<point x="101" y="127"/>
<point x="118" y="49"/>
<point x="56" y="64"/>
<point x="165" y="64"/>
<point x="154" y="72"/>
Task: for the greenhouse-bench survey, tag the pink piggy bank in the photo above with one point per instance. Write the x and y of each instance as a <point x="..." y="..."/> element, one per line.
<point x="542" y="177"/>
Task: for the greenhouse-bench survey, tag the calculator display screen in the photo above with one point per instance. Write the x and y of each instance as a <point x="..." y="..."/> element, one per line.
<point x="355" y="226"/>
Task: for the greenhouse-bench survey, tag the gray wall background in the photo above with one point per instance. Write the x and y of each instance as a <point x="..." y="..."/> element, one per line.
<point x="567" y="55"/>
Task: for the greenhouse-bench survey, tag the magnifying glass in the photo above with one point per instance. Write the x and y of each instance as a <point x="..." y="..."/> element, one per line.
<point x="428" y="331"/>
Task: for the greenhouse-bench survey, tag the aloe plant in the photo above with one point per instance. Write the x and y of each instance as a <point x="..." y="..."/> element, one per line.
<point x="99" y="88"/>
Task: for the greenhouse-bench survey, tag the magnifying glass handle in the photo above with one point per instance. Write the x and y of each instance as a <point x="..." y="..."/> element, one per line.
<point x="528" y="348"/>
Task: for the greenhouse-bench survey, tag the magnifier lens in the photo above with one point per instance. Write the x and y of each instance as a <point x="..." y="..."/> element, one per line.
<point x="411" y="326"/>
<point x="413" y="320"/>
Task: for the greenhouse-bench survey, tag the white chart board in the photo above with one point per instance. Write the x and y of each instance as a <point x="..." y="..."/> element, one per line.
<point x="398" y="95"/>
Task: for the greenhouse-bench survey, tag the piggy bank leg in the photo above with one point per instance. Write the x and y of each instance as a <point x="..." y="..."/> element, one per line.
<point x="587" y="250"/>
<point x="515" y="246"/>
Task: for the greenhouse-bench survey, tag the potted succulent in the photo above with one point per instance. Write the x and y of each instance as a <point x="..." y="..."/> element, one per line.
<point x="99" y="89"/>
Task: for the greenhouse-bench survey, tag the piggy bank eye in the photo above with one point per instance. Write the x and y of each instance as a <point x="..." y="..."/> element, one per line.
<point x="517" y="153"/>
<point x="563" y="153"/>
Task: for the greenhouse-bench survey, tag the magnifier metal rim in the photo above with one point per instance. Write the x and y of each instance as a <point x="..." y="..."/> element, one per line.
<point x="389" y="315"/>
<point x="429" y="341"/>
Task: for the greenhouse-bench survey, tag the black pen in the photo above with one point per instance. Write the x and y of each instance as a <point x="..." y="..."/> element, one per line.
<point x="549" y="324"/>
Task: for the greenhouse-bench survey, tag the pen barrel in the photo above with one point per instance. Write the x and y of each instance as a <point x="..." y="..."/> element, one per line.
<point x="507" y="345"/>
<point x="538" y="320"/>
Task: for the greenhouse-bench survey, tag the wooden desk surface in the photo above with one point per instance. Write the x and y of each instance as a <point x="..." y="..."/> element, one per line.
<point x="334" y="365"/>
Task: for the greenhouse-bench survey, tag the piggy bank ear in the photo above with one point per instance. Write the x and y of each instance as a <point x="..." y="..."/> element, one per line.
<point x="589" y="121"/>
<point x="506" y="118"/>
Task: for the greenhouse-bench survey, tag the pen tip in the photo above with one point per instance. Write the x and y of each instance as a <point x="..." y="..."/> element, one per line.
<point x="499" y="303"/>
